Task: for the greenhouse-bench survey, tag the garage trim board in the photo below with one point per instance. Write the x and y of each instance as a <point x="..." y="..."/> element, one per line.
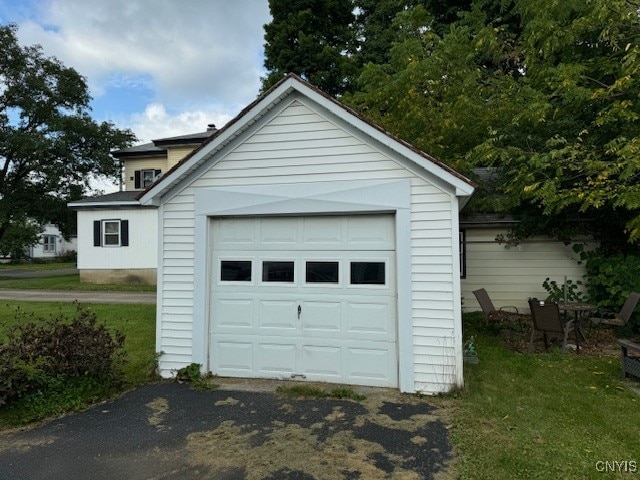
<point x="389" y="200"/>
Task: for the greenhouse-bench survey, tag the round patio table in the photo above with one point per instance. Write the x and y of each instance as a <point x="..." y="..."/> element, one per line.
<point x="578" y="309"/>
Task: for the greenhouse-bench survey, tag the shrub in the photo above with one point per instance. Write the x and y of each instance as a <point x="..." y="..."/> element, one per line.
<point x="39" y="353"/>
<point x="611" y="279"/>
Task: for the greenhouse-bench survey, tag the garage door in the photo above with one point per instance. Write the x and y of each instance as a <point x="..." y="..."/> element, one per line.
<point x="306" y="298"/>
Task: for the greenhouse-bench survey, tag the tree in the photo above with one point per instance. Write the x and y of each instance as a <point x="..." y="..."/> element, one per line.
<point x="49" y="144"/>
<point x="544" y="92"/>
<point x="313" y="39"/>
<point x="576" y="153"/>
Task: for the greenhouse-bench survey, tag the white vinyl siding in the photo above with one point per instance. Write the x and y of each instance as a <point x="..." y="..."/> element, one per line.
<point x="143" y="246"/>
<point x="301" y="146"/>
<point x="513" y="275"/>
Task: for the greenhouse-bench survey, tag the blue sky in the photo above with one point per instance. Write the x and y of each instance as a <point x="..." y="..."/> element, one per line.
<point x="157" y="67"/>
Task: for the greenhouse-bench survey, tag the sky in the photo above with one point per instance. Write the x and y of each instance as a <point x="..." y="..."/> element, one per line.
<point x="157" y="67"/>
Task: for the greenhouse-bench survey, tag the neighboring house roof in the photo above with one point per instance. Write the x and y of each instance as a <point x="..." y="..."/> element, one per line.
<point x="110" y="200"/>
<point x="189" y="139"/>
<point x="139" y="150"/>
<point x="155" y="147"/>
<point x="289" y="85"/>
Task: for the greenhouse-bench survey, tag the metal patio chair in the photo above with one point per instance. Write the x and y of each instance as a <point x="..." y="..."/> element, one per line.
<point x="491" y="313"/>
<point x="546" y="318"/>
<point x="618" y="319"/>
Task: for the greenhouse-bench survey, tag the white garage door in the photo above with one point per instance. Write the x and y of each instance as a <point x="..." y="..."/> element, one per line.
<point x="306" y="298"/>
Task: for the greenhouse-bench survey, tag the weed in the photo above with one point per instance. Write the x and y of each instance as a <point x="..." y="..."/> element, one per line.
<point x="346" y="393"/>
<point x="311" y="391"/>
<point x="191" y="375"/>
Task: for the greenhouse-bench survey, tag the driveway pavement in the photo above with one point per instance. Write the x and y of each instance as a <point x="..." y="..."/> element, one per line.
<point x="168" y="431"/>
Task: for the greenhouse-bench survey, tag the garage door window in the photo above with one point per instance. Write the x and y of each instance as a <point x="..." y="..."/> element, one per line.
<point x="367" y="273"/>
<point x="277" y="271"/>
<point x="235" y="271"/>
<point x="321" y="272"/>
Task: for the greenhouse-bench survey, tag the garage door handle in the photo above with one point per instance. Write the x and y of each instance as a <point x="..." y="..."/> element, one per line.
<point x="299" y="311"/>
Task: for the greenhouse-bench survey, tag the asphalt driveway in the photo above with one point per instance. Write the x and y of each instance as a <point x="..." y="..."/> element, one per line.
<point x="168" y="431"/>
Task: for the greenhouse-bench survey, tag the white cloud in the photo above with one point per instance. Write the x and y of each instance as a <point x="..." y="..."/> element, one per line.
<point x="190" y="53"/>
<point x="155" y="122"/>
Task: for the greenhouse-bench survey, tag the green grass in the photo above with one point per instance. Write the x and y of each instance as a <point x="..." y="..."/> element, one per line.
<point x="311" y="391"/>
<point x="36" y="267"/>
<point x="68" y="282"/>
<point x="138" y="324"/>
<point x="543" y="415"/>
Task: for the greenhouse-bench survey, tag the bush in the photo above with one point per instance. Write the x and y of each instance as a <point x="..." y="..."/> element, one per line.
<point x="39" y="353"/>
<point x="611" y="279"/>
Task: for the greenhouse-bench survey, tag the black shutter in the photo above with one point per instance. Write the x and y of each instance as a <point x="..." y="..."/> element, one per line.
<point x="124" y="233"/>
<point x="97" y="233"/>
<point x="156" y="174"/>
<point x="138" y="179"/>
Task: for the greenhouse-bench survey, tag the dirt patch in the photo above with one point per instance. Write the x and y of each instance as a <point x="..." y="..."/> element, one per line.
<point x="159" y="407"/>
<point x="227" y="401"/>
<point x="11" y="443"/>
<point x="395" y="436"/>
<point x="290" y="450"/>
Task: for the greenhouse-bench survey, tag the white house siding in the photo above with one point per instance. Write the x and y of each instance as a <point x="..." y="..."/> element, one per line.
<point x="513" y="275"/>
<point x="140" y="255"/>
<point x="62" y="245"/>
<point x="301" y="146"/>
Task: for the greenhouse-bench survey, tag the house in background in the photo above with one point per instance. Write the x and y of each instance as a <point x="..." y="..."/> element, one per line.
<point x="301" y="241"/>
<point x="117" y="237"/>
<point x="512" y="275"/>
<point x="52" y="244"/>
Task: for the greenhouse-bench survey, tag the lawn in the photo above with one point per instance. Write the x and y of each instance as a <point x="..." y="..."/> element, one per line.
<point x="68" y="282"/>
<point x="544" y="415"/>
<point x="33" y="266"/>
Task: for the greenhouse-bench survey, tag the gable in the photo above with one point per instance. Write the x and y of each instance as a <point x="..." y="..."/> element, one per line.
<point x="304" y="122"/>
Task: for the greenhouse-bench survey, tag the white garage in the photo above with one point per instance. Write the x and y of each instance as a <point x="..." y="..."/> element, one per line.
<point x="305" y="298"/>
<point x="303" y="242"/>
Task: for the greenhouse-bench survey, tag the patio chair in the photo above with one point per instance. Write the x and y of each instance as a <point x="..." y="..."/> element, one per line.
<point x="509" y="313"/>
<point x="546" y="318"/>
<point x="621" y="318"/>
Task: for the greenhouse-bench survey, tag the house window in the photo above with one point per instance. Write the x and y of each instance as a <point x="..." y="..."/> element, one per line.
<point x="49" y="244"/>
<point x="463" y="254"/>
<point x="144" y="178"/>
<point x="111" y="233"/>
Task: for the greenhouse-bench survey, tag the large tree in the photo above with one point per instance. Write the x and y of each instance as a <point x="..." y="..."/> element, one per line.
<point x="311" y="38"/>
<point x="49" y="144"/>
<point x="546" y="93"/>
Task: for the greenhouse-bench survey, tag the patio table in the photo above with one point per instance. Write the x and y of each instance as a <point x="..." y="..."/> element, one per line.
<point x="578" y="309"/>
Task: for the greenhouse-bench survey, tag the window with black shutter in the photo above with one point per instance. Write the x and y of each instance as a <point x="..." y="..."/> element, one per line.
<point x="144" y="178"/>
<point x="111" y="233"/>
